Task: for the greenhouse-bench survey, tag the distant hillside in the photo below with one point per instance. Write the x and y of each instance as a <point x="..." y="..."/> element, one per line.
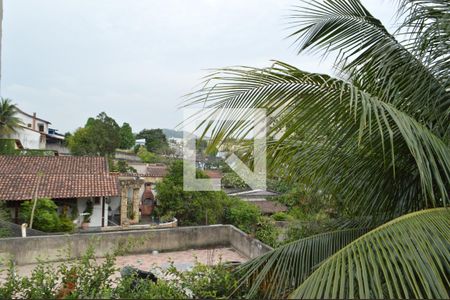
<point x="170" y="133"/>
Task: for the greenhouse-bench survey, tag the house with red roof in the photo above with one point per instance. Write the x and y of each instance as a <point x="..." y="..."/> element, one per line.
<point x="71" y="182"/>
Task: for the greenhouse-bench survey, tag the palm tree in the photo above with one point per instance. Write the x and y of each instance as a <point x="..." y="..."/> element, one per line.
<point x="8" y="120"/>
<point x="377" y="135"/>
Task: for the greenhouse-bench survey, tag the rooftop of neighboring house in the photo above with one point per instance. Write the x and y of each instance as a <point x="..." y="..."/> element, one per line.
<point x="22" y="177"/>
<point x="32" y="116"/>
<point x="249" y="193"/>
<point x="268" y="207"/>
<point x="215" y="174"/>
<point x="157" y="170"/>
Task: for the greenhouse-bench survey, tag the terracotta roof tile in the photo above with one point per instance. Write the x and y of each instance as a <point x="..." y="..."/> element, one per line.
<point x="156" y="170"/>
<point x="62" y="177"/>
<point x="217" y="174"/>
<point x="53" y="164"/>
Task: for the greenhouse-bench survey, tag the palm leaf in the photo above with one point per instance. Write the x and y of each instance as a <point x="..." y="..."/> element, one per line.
<point x="373" y="58"/>
<point x="341" y="137"/>
<point x="408" y="257"/>
<point x="278" y="272"/>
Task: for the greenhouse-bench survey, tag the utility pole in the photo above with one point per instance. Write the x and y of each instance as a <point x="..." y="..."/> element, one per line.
<point x="35" y="195"/>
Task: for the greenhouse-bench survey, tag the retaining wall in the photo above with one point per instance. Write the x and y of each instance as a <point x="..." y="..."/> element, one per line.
<point x="54" y="247"/>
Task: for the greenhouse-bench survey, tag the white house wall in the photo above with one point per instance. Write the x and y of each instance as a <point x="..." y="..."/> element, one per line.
<point x="30" y="139"/>
<point x="28" y="122"/>
<point x="96" y="218"/>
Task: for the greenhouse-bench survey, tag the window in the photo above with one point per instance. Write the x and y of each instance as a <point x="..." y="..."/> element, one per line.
<point x="29" y="125"/>
<point x="41" y="127"/>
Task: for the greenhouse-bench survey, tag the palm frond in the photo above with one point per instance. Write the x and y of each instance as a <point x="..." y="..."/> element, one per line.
<point x="335" y="134"/>
<point x="406" y="258"/>
<point x="9" y="122"/>
<point x="373" y="59"/>
<point x="275" y="274"/>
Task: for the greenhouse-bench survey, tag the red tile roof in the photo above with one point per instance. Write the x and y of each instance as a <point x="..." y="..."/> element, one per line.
<point x="217" y="174"/>
<point x="61" y="177"/>
<point x="156" y="170"/>
<point x="53" y="164"/>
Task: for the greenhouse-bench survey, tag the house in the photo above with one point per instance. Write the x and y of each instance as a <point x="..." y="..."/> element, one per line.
<point x="71" y="182"/>
<point x="35" y="133"/>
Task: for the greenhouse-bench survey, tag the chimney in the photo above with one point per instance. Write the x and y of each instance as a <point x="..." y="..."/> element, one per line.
<point x="34" y="121"/>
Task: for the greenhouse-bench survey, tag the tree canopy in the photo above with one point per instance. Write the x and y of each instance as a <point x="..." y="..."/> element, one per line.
<point x="127" y="140"/>
<point x="100" y="136"/>
<point x="155" y="140"/>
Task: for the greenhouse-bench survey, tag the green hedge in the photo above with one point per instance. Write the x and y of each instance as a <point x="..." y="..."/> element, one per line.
<point x="8" y="147"/>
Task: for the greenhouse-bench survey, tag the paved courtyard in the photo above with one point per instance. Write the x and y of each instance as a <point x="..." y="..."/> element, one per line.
<point x="183" y="260"/>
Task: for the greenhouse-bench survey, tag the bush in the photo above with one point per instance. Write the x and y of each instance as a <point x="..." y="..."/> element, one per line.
<point x="281" y="216"/>
<point x="243" y="215"/>
<point x="132" y="288"/>
<point x="232" y="180"/>
<point x="87" y="278"/>
<point x="45" y="215"/>
<point x="66" y="224"/>
<point x="8" y="146"/>
<point x="206" y="282"/>
<point x="267" y="232"/>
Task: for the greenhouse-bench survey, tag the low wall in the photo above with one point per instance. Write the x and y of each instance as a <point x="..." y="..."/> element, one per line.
<point x="54" y="247"/>
<point x="245" y="244"/>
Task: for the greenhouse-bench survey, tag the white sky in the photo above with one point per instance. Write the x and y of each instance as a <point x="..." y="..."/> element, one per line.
<point x="68" y="60"/>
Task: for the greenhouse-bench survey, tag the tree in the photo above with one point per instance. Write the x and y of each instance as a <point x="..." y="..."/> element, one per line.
<point x="205" y="208"/>
<point x="146" y="156"/>
<point x="127" y="140"/>
<point x="100" y="136"/>
<point x="377" y="137"/>
<point x="190" y="208"/>
<point x="155" y="140"/>
<point x="8" y="120"/>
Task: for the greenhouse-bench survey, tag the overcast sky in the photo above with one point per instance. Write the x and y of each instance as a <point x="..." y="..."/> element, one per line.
<point x="68" y="60"/>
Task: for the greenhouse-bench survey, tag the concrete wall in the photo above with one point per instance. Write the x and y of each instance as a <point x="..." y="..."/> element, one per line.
<point x="245" y="244"/>
<point x="50" y="248"/>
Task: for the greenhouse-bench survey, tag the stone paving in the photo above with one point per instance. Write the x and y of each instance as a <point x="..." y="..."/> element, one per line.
<point x="182" y="259"/>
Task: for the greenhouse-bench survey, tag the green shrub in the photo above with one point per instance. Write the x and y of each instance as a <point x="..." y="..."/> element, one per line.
<point x="232" y="180"/>
<point x="87" y="278"/>
<point x="267" y="232"/>
<point x="168" y="217"/>
<point x="132" y="288"/>
<point x="7" y="146"/>
<point x="206" y="282"/>
<point x="281" y="216"/>
<point x="45" y="215"/>
<point x="243" y="215"/>
<point x="66" y="224"/>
